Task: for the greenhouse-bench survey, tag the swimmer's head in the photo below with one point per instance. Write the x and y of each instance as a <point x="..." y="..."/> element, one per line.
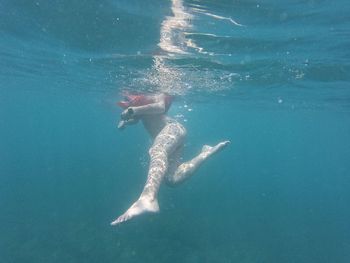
<point x="134" y="101"/>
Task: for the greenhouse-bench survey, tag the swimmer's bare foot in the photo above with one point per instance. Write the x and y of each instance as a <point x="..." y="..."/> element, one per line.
<point x="141" y="206"/>
<point x="210" y="150"/>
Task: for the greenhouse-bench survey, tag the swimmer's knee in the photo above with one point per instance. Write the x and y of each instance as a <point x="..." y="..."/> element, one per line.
<point x="171" y="181"/>
<point x="178" y="176"/>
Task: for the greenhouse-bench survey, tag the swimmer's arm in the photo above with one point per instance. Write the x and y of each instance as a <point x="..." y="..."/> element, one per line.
<point x="149" y="109"/>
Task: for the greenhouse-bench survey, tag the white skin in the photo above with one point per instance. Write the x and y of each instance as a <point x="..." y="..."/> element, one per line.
<point x="165" y="154"/>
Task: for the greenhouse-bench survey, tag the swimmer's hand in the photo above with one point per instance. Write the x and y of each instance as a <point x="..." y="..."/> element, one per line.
<point x="123" y="123"/>
<point x="127" y="114"/>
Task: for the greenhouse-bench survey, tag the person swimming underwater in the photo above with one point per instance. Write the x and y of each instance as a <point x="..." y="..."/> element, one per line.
<point x="166" y="151"/>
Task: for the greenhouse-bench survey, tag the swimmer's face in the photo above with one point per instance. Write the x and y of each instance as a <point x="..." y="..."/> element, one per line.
<point x="133" y="100"/>
<point x="123" y="104"/>
<point x="126" y="102"/>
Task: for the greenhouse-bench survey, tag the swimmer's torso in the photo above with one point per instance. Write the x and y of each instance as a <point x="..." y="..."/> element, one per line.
<point x="155" y="123"/>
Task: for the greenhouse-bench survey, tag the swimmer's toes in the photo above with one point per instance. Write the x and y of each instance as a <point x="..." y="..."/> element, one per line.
<point x="209" y="150"/>
<point x="121" y="219"/>
<point x="117" y="221"/>
<point x="226" y="142"/>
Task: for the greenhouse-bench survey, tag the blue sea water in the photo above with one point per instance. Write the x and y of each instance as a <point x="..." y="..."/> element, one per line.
<point x="271" y="76"/>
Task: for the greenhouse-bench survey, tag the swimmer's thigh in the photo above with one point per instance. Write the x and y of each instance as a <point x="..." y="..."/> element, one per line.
<point x="170" y="138"/>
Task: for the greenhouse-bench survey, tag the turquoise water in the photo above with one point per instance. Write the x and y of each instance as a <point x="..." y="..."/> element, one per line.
<point x="272" y="76"/>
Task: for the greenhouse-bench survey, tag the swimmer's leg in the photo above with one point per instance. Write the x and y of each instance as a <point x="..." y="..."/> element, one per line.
<point x="164" y="145"/>
<point x="186" y="170"/>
